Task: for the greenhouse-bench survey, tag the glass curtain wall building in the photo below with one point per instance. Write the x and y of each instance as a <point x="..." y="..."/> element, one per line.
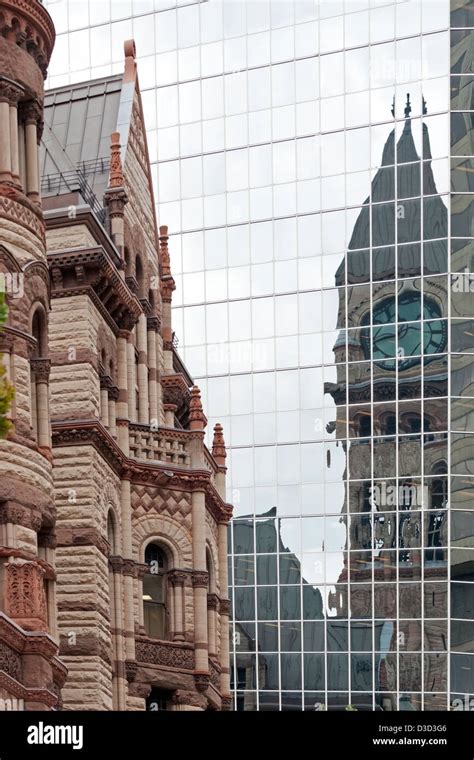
<point x="314" y="163"/>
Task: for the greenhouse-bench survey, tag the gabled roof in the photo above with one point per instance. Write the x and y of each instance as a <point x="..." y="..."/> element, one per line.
<point x="79" y="120"/>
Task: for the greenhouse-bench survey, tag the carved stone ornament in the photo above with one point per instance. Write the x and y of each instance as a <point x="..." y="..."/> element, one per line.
<point x="177" y="577"/>
<point x="200" y="579"/>
<point x="10" y="662"/>
<point x="25" y="592"/>
<point x="10" y="92"/>
<point x="202" y="681"/>
<point x="224" y="607"/>
<point x="41" y="368"/>
<point x="164" y="653"/>
<point x="116" y="171"/>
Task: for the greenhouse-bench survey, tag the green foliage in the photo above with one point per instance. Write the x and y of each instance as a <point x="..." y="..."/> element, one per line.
<point x="6" y="390"/>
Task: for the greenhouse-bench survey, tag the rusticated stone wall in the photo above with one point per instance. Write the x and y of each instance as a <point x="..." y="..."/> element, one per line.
<point x="85" y="491"/>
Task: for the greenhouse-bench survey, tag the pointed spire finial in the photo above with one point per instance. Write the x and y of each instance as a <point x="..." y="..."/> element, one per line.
<point x="116" y="169"/>
<point x="392" y="110"/>
<point x="130" y="49"/>
<point x="197" y="418"/>
<point x="218" y="445"/>
<point x="164" y="251"/>
<point x="424" y="109"/>
<point x="407" y="107"/>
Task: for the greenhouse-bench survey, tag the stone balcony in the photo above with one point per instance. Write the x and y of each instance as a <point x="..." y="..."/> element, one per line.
<point x="166" y="446"/>
<point x="169" y="654"/>
<point x="171" y="665"/>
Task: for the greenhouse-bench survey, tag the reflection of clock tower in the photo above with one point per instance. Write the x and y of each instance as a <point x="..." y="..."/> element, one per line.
<point x="394" y="337"/>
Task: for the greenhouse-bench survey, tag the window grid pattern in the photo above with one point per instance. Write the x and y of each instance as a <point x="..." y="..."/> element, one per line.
<point x="314" y="237"/>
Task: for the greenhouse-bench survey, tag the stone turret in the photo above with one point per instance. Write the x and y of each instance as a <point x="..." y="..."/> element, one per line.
<point x="27" y="513"/>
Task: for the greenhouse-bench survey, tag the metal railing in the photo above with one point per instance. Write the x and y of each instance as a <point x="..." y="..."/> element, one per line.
<point x="76" y="180"/>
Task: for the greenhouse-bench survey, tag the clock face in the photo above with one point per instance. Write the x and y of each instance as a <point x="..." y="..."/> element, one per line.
<point x="414" y="336"/>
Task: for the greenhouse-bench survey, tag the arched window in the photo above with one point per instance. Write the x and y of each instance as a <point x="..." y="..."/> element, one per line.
<point x="436" y="534"/>
<point x="155" y="611"/>
<point x="390" y="424"/>
<point x="128" y="262"/>
<point x="365" y="425"/>
<point x="137" y="390"/>
<point x="38" y="378"/>
<point x="39" y="333"/>
<point x="111" y="532"/>
<point x="211" y="604"/>
<point x="140" y="278"/>
<point x="152" y="300"/>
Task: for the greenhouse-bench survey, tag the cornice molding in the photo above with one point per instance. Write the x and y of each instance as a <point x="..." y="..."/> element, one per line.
<point x="92" y="433"/>
<point x="91" y="271"/>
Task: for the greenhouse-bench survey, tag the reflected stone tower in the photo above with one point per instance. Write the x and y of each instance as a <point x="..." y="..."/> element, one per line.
<point x="392" y="340"/>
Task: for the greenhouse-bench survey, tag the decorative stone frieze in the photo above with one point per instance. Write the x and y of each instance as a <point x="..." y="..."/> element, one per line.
<point x="165" y="653"/>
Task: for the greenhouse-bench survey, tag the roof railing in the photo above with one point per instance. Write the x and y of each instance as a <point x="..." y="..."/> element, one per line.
<point x="75" y="181"/>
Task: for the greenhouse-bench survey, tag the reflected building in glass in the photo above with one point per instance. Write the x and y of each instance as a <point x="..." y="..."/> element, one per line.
<point x="314" y="164"/>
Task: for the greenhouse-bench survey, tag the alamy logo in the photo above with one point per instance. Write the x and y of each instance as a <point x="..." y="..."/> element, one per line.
<point x="12" y="283"/>
<point x="467" y="703"/>
<point x="386" y="495"/>
<point x="11" y="704"/>
<point x="44" y="734"/>
<point x="463" y="282"/>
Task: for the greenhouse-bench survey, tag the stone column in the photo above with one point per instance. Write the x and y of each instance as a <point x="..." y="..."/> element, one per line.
<point x="200" y="585"/>
<point x="115" y="198"/>
<point x="142" y="570"/>
<point x="105" y="383"/>
<point x="119" y="681"/>
<point x="34" y="412"/>
<point x="7" y="351"/>
<point x="14" y="146"/>
<point x="112" y="398"/>
<point x="22" y="154"/>
<point x="32" y="116"/>
<point x="197" y="423"/>
<point x="159" y="366"/>
<point x="5" y="146"/>
<point x="219" y="453"/>
<point x="129" y="575"/>
<point x="177" y="580"/>
<point x="167" y="287"/>
<point x="142" y="345"/>
<point x="152" y="329"/>
<point x="122" y="400"/>
<point x="212" y="606"/>
<point x="224" y="609"/>
<point x="131" y="379"/>
<point x="41" y="369"/>
<point x="47" y="545"/>
<point x="129" y="567"/>
<point x="170" y="411"/>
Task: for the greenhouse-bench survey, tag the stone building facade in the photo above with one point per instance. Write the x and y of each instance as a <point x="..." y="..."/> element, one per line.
<point x="113" y="520"/>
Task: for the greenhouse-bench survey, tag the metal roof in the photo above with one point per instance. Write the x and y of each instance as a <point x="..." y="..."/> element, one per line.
<point x="79" y="120"/>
